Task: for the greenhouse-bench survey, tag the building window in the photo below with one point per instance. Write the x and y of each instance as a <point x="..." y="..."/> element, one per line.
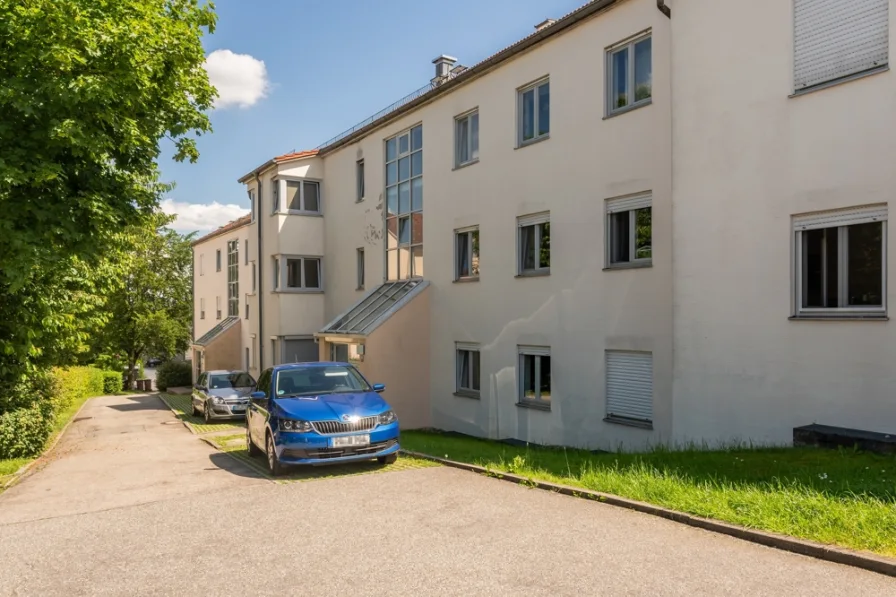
<point x="247" y="307"/>
<point x="218" y="260"/>
<point x="468" y="371"/>
<point x="233" y="278"/>
<point x="466" y="139"/>
<point x="253" y="277"/>
<point x="252" y="205"/>
<point x="360" y="258"/>
<point x="535" y="376"/>
<point x="248" y="361"/>
<point x="534" y="244"/>
<point x="217" y="307"/>
<point x="201" y="308"/>
<point x="841" y="262"/>
<point x="300" y="273"/>
<point x="202" y="264"/>
<point x="404" y="205"/>
<point x="534" y="111"/>
<point x="631" y="74"/>
<point x="275" y="196"/>
<point x="254" y="352"/>
<point x="274" y="356"/>
<point x="303" y="196"/>
<point x="466" y="243"/>
<point x="246" y="251"/>
<point x="359" y="173"/>
<point x="629" y="386"/>
<point x="629" y="231"/>
<point x="835" y="40"/>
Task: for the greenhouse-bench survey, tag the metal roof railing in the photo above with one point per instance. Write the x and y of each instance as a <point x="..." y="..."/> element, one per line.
<point x="393" y="107"/>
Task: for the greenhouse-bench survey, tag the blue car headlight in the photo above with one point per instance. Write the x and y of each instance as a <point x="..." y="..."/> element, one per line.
<point x="386" y="418"/>
<point x="295" y="425"/>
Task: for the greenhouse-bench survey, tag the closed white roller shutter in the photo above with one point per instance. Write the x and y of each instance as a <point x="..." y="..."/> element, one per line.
<point x="840" y="217"/>
<point x="630" y="385"/>
<point x="628" y="203"/>
<point x="838" y="38"/>
<point x="300" y="351"/>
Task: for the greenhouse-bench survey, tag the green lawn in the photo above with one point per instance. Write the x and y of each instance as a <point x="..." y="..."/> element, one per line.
<point x="844" y="498"/>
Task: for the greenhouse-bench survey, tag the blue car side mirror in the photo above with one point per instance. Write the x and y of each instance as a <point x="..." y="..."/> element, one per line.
<point x="258" y="395"/>
<point x="379" y="387"/>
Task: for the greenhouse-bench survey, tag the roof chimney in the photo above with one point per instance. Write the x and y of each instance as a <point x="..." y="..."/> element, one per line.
<point x="443" y="67"/>
<point x="545" y="23"/>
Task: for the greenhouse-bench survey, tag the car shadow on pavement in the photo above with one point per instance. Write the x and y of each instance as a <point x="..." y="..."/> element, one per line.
<point x="142" y="402"/>
<point x="235" y="466"/>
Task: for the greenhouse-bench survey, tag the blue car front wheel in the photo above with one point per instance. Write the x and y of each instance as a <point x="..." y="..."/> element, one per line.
<point x="274" y="466"/>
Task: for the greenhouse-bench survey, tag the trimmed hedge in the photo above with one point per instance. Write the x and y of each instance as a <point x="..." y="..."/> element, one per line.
<point x="174" y="374"/>
<point x="30" y="408"/>
<point x="112" y="382"/>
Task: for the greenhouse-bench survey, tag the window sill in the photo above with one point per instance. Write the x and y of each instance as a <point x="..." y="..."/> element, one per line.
<point x="359" y="288"/>
<point x="534" y="405"/>
<point x="523" y="144"/>
<point x="297" y="291"/>
<point x="834" y="83"/>
<point x="630" y="265"/>
<point x="629" y="422"/>
<point x="295" y="212"/>
<point x="534" y="273"/>
<point x="842" y="317"/>
<point x="361" y="200"/>
<point x="465" y="164"/>
<point x="471" y="394"/>
<point x="467" y="280"/>
<point x="627" y="109"/>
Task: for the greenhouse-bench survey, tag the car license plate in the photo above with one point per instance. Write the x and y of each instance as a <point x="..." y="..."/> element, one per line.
<point x="238" y="409"/>
<point x="349" y="441"/>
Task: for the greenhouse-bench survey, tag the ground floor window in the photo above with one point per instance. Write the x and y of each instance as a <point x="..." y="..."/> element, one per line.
<point x="841" y="262"/>
<point x="468" y="369"/>
<point x="535" y="376"/>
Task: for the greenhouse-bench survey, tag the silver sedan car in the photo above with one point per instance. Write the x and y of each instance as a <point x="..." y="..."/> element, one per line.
<point x="222" y="395"/>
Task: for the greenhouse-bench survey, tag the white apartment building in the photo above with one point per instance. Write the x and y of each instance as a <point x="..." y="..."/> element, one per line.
<point x="221" y="285"/>
<point x="631" y="227"/>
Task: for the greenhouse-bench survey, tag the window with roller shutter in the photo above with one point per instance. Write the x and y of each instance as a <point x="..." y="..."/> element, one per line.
<point x="836" y="39"/>
<point x="629" y="386"/>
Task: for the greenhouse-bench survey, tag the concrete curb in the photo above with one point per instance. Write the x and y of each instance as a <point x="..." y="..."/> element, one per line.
<point x="865" y="561"/>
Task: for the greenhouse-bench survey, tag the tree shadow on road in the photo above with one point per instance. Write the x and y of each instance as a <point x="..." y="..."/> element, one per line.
<point x="140" y="402"/>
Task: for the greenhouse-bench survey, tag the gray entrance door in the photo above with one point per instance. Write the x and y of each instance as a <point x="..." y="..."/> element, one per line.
<point x="300" y="351"/>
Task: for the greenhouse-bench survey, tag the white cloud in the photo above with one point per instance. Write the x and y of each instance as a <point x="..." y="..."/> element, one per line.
<point x="202" y="217"/>
<point x="241" y="80"/>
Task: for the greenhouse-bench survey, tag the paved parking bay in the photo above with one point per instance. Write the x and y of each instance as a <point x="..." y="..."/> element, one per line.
<point x="133" y="505"/>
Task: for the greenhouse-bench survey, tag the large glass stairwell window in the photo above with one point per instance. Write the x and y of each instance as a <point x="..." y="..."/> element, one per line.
<point x="404" y="205"/>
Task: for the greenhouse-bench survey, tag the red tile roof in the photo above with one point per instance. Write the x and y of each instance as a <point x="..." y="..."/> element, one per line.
<point x="238" y="223"/>
<point x="286" y="157"/>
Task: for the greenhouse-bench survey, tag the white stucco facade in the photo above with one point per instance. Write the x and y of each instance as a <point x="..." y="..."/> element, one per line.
<point x="748" y="157"/>
<point x="724" y="154"/>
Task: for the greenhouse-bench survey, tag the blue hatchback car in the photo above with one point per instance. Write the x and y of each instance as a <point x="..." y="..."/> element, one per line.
<point x="319" y="413"/>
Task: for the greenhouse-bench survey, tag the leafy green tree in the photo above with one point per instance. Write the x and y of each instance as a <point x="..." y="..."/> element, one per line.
<point x="88" y="89"/>
<point x="152" y="309"/>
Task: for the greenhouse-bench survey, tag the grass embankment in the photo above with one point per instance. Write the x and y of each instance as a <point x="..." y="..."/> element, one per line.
<point x="845" y="498"/>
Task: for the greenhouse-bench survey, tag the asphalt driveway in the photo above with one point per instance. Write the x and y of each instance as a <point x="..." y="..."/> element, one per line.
<point x="135" y="505"/>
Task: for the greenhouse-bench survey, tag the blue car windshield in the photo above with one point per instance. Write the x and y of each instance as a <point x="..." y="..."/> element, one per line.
<point x="320" y="380"/>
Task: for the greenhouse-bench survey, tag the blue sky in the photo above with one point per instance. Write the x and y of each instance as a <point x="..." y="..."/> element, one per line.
<point x="327" y="64"/>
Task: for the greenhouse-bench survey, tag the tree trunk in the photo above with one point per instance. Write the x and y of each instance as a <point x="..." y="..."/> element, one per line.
<point x="132" y="373"/>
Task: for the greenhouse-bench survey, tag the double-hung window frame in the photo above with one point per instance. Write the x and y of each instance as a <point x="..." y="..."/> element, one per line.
<point x="523" y="222"/>
<point x="217" y="260"/>
<point x="520" y="120"/>
<point x="627" y="45"/>
<point x="464" y="387"/>
<point x="469" y="143"/>
<point x="218" y="307"/>
<point x="537" y="352"/>
<point x="360" y="255"/>
<point x="233" y="277"/>
<point x="283" y="206"/>
<point x="840" y="220"/>
<point x="202" y="308"/>
<point x="630" y="204"/>
<point x="281" y="274"/>
<point x="465" y="236"/>
<point x="251" y="194"/>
